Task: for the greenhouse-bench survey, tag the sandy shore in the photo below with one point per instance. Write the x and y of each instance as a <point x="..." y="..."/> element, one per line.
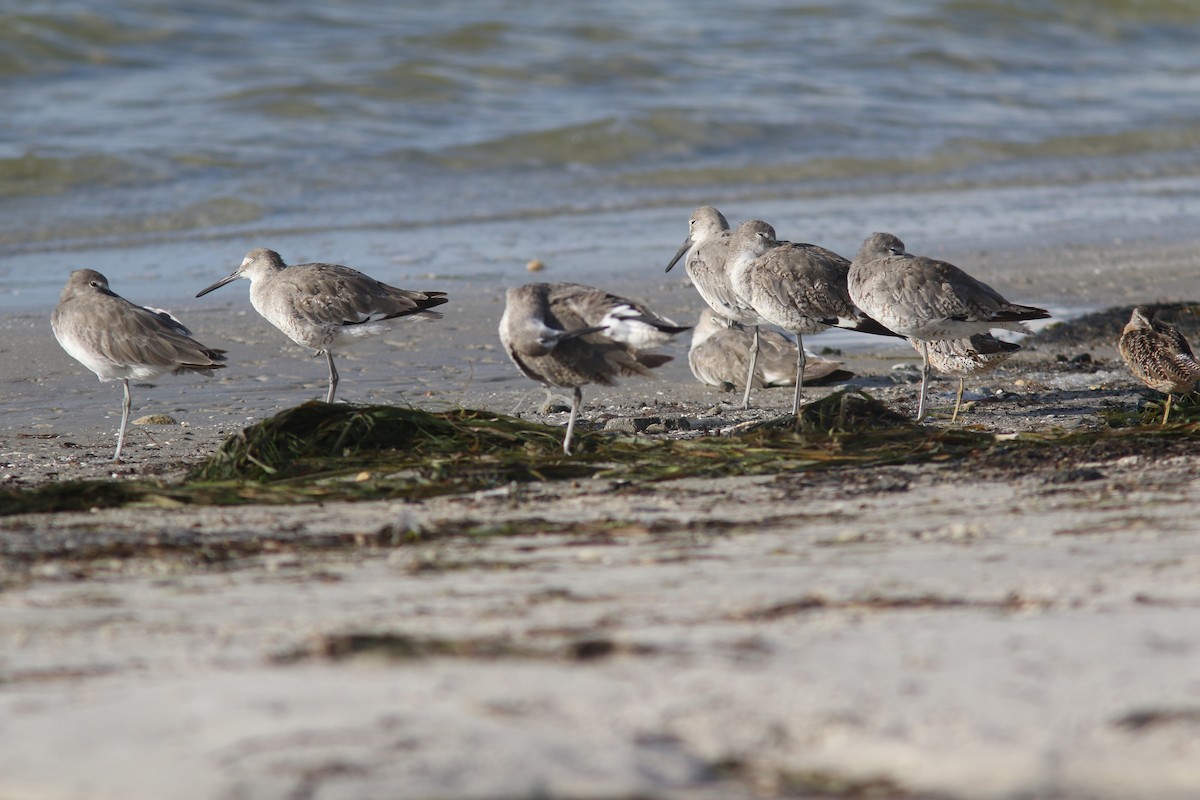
<point x="988" y="628"/>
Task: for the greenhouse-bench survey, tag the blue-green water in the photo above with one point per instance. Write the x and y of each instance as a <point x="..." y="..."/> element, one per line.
<point x="158" y="141"/>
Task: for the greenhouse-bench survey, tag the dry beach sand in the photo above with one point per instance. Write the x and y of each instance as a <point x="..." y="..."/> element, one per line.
<point x="996" y="627"/>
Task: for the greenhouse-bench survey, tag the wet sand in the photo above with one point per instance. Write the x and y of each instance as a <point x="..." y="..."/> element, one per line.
<point x="989" y="628"/>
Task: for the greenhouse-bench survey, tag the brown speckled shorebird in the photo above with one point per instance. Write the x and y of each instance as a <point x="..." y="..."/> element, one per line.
<point x="719" y="354"/>
<point x="962" y="358"/>
<point x="568" y="335"/>
<point x="798" y="287"/>
<point x="928" y="300"/>
<point x="118" y="340"/>
<point x="707" y="249"/>
<point x="1158" y="356"/>
<point x="325" y="306"/>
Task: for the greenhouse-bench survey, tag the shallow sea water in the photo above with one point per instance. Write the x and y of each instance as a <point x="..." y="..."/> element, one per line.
<point x="158" y="141"/>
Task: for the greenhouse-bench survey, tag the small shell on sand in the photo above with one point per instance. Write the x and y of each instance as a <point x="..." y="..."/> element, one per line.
<point x="535" y="265"/>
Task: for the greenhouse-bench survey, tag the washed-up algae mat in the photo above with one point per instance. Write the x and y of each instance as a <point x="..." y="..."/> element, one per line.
<point x="319" y="452"/>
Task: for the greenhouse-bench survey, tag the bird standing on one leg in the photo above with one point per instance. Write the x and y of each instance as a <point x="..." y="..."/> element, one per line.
<point x="325" y="306"/>
<point x="569" y="335"/>
<point x="928" y="300"/>
<point x="118" y="340"/>
<point x="1158" y="356"/>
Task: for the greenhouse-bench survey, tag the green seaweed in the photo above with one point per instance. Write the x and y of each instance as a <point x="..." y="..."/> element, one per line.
<point x="1185" y="411"/>
<point x="321" y="452"/>
<point x="70" y="496"/>
<point x="319" y="439"/>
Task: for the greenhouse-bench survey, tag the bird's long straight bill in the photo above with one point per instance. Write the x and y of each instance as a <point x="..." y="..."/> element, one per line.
<point x="687" y="245"/>
<point x="227" y="279"/>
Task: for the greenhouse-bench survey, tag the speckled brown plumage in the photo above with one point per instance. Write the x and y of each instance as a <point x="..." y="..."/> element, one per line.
<point x="1158" y="356"/>
<point x="962" y="358"/>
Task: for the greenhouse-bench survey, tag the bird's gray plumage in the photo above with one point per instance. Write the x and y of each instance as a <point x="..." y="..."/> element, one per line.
<point x="325" y="306"/>
<point x="796" y="286"/>
<point x="569" y="335"/>
<point x="708" y="249"/>
<point x="119" y="340"/>
<point x="928" y="300"/>
<point x="719" y="356"/>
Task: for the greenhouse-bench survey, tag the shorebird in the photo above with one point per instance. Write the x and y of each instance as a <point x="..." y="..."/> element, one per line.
<point x="718" y="357"/>
<point x="928" y="300"/>
<point x="118" y="340"/>
<point x="569" y="335"/>
<point x="325" y="306"/>
<point x="961" y="358"/>
<point x="1158" y="356"/>
<point x="707" y="249"/>
<point x="798" y="287"/>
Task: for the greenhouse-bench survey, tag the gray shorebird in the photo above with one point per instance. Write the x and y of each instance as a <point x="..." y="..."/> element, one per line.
<point x="796" y="286"/>
<point x="568" y="335"/>
<point x="962" y="358"/>
<point x="118" y="340"/>
<point x="325" y="306"/>
<point x="928" y="300"/>
<point x="1158" y="356"/>
<point x="718" y="356"/>
<point x="707" y="250"/>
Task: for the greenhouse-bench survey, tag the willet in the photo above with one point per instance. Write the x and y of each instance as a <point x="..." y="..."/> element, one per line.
<point x="961" y="358"/>
<point x="118" y="340"/>
<point x="1158" y="356"/>
<point x="718" y="357"/>
<point x="707" y="249"/>
<point x="798" y="287"/>
<point x="569" y="335"/>
<point x="325" y="306"/>
<point x="928" y="300"/>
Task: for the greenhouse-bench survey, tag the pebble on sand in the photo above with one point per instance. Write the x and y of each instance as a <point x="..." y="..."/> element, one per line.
<point x="156" y="419"/>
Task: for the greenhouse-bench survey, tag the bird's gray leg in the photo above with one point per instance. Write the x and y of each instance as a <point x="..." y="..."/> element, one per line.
<point x="124" y="421"/>
<point x="333" y="377"/>
<point x="924" y="381"/>
<point x="576" y="401"/>
<point x="801" y="362"/>
<point x="753" y="367"/>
